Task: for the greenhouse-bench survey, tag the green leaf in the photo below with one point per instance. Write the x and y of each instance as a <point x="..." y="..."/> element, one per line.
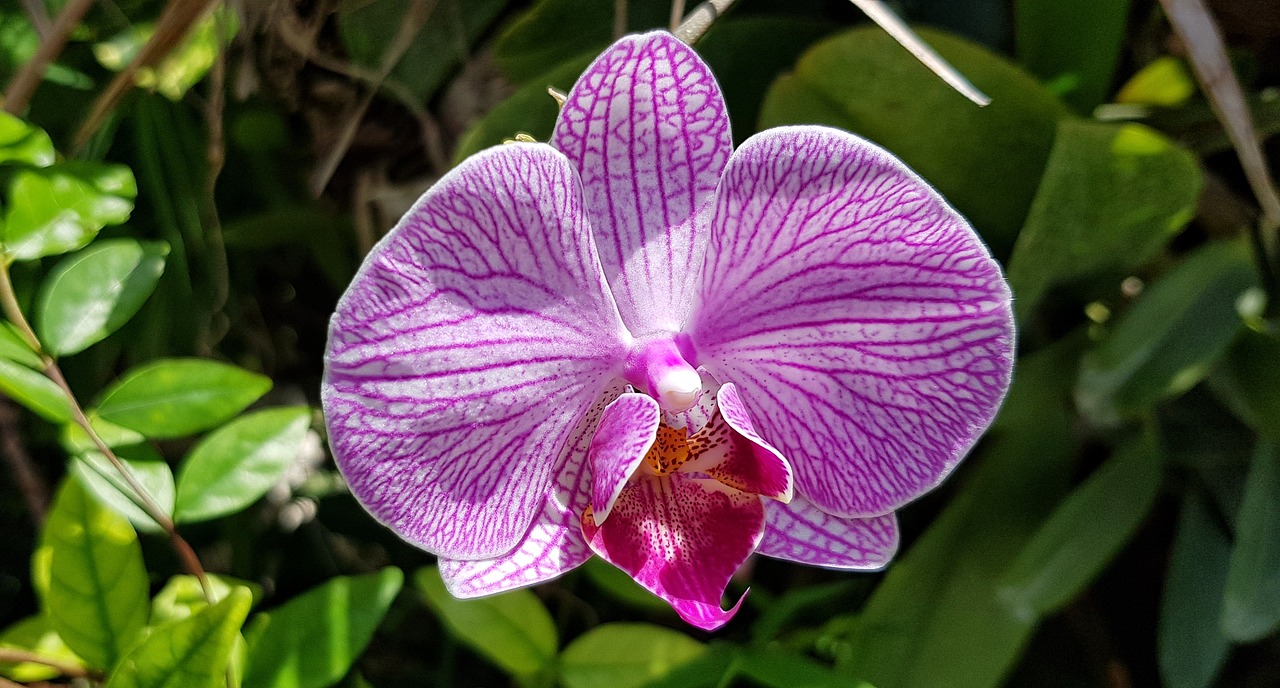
<point x="443" y="43"/>
<point x="14" y="348"/>
<point x="1251" y="606"/>
<point x="774" y="667"/>
<point x="34" y="391"/>
<point x="1165" y="82"/>
<point x="513" y="629"/>
<point x="236" y="464"/>
<point x="76" y="441"/>
<point x="937" y="618"/>
<point x="987" y="161"/>
<point x="554" y="31"/>
<point x="1248" y="380"/>
<point x="1072" y="44"/>
<point x="24" y="143"/>
<point x="35" y="635"/>
<point x="530" y="110"/>
<point x="1085" y="532"/>
<point x="1191" y="651"/>
<point x="98" y="597"/>
<point x="180" y="396"/>
<point x="1170" y="338"/>
<point x="181" y="67"/>
<point x="311" y="641"/>
<point x="192" y="653"/>
<point x="93" y="293"/>
<point x="101" y="478"/>
<point x="60" y="209"/>
<point x="1112" y="196"/>
<point x="625" y="655"/>
<point x="183" y="596"/>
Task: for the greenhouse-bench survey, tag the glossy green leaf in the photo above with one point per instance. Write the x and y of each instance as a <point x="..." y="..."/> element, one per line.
<point x="1085" y="531"/>
<point x="98" y="596"/>
<point x="182" y="66"/>
<point x="146" y="466"/>
<point x="1191" y="648"/>
<point x="530" y="110"/>
<point x="183" y="596"/>
<point x="1251" y="606"/>
<point x="236" y="464"/>
<point x="554" y="31"/>
<point x="1112" y="196"/>
<point x="1170" y="337"/>
<point x="513" y="630"/>
<point x="937" y="618"/>
<point x="35" y="635"/>
<point x="986" y="161"/>
<point x="62" y="208"/>
<point x="312" y="640"/>
<point x="192" y="653"/>
<point x="1073" y="45"/>
<point x="76" y="441"/>
<point x="34" y="391"/>
<point x="180" y="396"/>
<point x="14" y="348"/>
<point x="443" y="43"/>
<point x="625" y="655"/>
<point x="93" y="293"/>
<point x="1248" y="380"/>
<point x="24" y="143"/>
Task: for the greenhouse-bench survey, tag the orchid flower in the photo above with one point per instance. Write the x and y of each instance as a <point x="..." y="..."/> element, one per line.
<point x="640" y="343"/>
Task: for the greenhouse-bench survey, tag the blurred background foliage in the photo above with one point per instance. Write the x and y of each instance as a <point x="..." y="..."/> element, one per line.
<point x="192" y="184"/>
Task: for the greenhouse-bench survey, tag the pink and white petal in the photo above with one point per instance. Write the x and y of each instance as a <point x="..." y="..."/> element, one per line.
<point x="802" y="533"/>
<point x="681" y="539"/>
<point x="647" y="128"/>
<point x="751" y="465"/>
<point x="467" y="348"/>
<point x="625" y="434"/>
<point x="554" y="544"/>
<point x="866" y="324"/>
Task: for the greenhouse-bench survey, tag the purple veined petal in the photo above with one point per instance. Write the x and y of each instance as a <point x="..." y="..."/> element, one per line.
<point x="466" y="350"/>
<point x="866" y="324"/>
<point x="682" y="539"/>
<point x="554" y="544"/>
<point x="800" y="532"/>
<point x="647" y="128"/>
<point x="626" y="431"/>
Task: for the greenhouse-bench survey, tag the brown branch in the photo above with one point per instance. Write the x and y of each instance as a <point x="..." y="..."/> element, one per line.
<point x="619" y="18"/>
<point x="24" y="473"/>
<point x="24" y="85"/>
<point x="10" y="655"/>
<point x="39" y="17"/>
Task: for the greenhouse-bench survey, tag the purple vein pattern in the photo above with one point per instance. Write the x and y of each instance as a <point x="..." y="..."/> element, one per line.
<point x="469" y="346"/>
<point x="647" y="128"/>
<point x="802" y="533"/>
<point x="865" y="324"/>
<point x="625" y="433"/>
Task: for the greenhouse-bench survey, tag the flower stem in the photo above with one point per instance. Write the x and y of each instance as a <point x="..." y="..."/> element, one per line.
<point x="139" y="496"/>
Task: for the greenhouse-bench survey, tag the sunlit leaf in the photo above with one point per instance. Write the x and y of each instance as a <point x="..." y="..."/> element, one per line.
<point x="236" y="464"/>
<point x="180" y="68"/>
<point x="183" y="596"/>
<point x="986" y="161"/>
<point x="98" y="598"/>
<point x="192" y="653"/>
<point x="14" y="348"/>
<point x="76" y="441"/>
<point x="1251" y="606"/>
<point x="22" y="142"/>
<point x="625" y="655"/>
<point x="180" y="396"/>
<point x="1191" y="647"/>
<point x="1169" y="339"/>
<point x="1164" y="82"/>
<point x="93" y="293"/>
<point x="60" y="209"/>
<point x="106" y="483"/>
<point x="35" y="635"/>
<point x="1112" y="196"/>
<point x="513" y="629"/>
<point x="312" y="640"/>
<point x="34" y="391"/>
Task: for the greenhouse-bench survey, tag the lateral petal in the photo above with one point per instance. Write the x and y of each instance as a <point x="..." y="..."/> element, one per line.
<point x="468" y="347"/>
<point x="682" y="539"/>
<point x="802" y="533"/>
<point x="626" y="432"/>
<point x="646" y="127"/>
<point x="866" y="324"/>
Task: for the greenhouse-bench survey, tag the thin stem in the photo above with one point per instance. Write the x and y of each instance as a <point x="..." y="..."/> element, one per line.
<point x="39" y="17"/>
<point x="14" y="656"/>
<point x="677" y="14"/>
<point x="700" y="19"/>
<point x="24" y="84"/>
<point x="619" y="18"/>
<point x="140" y="496"/>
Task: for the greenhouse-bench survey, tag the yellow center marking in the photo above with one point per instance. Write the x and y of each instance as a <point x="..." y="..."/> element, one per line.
<point x="670" y="451"/>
